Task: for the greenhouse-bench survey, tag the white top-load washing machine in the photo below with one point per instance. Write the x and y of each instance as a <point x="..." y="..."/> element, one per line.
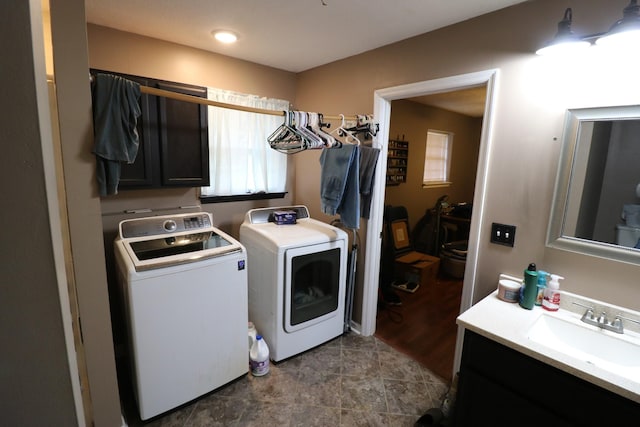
<point x="184" y="289"/>
<point x="297" y="279"/>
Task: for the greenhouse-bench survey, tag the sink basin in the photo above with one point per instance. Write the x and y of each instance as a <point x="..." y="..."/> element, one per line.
<point x="619" y="355"/>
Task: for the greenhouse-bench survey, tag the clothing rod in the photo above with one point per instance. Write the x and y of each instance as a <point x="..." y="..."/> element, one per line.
<point x="195" y="99"/>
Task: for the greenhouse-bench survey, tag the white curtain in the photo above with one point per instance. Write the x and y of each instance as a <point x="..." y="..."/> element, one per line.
<point x="241" y="161"/>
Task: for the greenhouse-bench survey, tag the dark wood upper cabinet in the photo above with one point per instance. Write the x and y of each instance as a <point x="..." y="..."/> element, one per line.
<point x="183" y="138"/>
<point x="173" y="146"/>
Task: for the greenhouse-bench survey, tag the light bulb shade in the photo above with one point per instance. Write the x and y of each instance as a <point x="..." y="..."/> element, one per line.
<point x="564" y="41"/>
<point x="626" y="30"/>
<point x="563" y="48"/>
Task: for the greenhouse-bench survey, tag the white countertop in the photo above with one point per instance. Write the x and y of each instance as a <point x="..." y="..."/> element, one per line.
<point x="508" y="324"/>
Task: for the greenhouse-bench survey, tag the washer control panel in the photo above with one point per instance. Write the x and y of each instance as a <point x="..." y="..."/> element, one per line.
<point x="163" y="225"/>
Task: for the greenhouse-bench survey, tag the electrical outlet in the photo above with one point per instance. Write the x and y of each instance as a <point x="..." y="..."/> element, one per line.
<point x="503" y="234"/>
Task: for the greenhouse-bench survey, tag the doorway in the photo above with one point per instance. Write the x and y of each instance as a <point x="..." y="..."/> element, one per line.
<point x="419" y="321"/>
<point x="382" y="112"/>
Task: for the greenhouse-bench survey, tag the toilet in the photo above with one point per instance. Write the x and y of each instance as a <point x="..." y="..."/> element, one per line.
<point x="627" y="236"/>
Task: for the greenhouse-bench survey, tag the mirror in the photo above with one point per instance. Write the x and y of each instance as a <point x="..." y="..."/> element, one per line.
<point x="596" y="206"/>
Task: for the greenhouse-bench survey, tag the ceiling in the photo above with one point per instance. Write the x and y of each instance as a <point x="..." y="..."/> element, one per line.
<point x="297" y="35"/>
<point x="469" y="102"/>
<point x="292" y="35"/>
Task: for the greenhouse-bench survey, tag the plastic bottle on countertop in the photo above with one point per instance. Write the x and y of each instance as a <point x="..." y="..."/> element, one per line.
<point x="542" y="284"/>
<point x="551" y="299"/>
<point x="530" y="288"/>
<point x="259" y="357"/>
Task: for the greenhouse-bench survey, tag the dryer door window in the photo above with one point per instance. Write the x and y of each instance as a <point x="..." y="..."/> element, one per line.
<point x="312" y="285"/>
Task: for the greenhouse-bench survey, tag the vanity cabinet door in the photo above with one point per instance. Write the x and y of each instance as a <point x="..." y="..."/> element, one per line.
<point x="487" y="403"/>
<point x="502" y="384"/>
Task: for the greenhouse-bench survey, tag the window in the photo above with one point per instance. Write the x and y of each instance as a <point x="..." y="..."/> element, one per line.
<point x="437" y="159"/>
<point x="240" y="159"/>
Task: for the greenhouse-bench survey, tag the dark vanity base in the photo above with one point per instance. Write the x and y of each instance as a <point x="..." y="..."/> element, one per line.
<point x="499" y="386"/>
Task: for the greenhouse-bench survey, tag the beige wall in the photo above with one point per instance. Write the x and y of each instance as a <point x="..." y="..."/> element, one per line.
<point x="414" y="120"/>
<point x="532" y="95"/>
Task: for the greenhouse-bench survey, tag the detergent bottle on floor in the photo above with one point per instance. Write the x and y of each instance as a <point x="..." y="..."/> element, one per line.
<point x="259" y="357"/>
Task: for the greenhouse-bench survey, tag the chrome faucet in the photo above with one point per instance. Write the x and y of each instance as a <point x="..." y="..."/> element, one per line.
<point x="602" y="321"/>
<point x="589" y="316"/>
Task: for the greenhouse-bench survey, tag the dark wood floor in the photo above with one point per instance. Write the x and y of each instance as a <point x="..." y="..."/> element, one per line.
<point x="424" y="326"/>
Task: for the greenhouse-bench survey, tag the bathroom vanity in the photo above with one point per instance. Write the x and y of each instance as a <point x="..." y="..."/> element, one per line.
<point x="518" y="368"/>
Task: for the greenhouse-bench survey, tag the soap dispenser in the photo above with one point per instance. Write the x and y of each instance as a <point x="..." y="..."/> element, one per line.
<point x="542" y="284"/>
<point x="551" y="299"/>
<point x="530" y="288"/>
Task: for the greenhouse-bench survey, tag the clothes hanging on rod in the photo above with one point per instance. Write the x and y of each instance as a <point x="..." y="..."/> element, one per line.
<point x="115" y="115"/>
<point x="368" y="162"/>
<point x="346" y="182"/>
<point x="340" y="184"/>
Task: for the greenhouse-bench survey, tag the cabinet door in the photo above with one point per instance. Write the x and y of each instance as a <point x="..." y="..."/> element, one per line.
<point x="495" y="378"/>
<point x="184" y="142"/>
<point x="142" y="172"/>
<point x="483" y="402"/>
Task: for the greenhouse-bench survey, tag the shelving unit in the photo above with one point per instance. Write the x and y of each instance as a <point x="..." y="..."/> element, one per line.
<point x="397" y="158"/>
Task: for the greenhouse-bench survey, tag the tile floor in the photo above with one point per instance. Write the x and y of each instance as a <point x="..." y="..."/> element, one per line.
<point x="349" y="381"/>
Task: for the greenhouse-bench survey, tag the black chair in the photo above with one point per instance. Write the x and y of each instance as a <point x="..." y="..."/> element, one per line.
<point x="388" y="254"/>
<point x="396" y="222"/>
<point x="398" y="243"/>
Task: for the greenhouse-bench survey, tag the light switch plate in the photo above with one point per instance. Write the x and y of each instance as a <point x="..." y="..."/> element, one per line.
<point x="503" y="234"/>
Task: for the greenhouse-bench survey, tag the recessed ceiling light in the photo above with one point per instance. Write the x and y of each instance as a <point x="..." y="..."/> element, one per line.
<point x="224" y="36"/>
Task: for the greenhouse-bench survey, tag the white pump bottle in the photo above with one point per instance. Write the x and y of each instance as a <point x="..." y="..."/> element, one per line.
<point x="551" y="299"/>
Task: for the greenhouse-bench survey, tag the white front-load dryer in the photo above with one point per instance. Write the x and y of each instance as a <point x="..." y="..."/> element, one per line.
<point x="297" y="279"/>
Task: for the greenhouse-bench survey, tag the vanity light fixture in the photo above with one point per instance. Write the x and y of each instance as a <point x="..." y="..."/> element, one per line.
<point x="225" y="36"/>
<point x="625" y="31"/>
<point x="564" y="40"/>
<point x="622" y="33"/>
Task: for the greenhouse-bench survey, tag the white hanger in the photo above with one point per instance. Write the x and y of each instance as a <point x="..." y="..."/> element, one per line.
<point x="350" y="138"/>
<point x="286" y="139"/>
<point x="301" y="126"/>
<point x="315" y="124"/>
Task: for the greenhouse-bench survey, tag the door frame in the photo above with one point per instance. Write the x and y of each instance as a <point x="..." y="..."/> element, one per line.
<point x="382" y="114"/>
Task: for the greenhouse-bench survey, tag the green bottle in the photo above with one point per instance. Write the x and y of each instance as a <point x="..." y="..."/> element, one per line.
<point x="530" y="290"/>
